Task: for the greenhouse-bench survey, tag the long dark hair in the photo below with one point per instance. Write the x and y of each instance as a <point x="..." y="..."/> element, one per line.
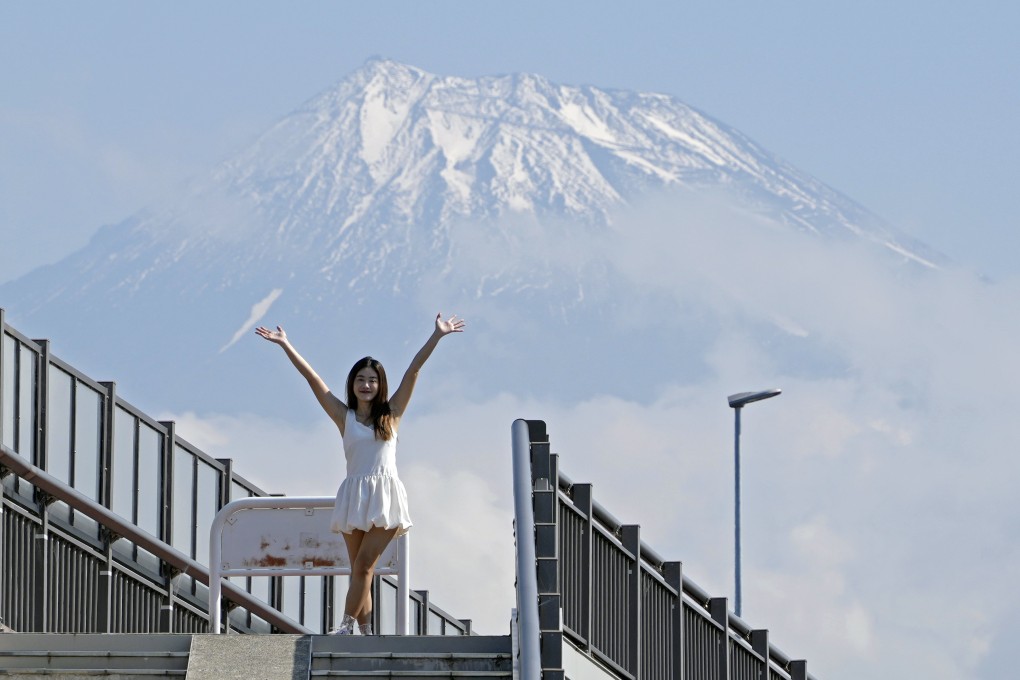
<point x="381" y="421"/>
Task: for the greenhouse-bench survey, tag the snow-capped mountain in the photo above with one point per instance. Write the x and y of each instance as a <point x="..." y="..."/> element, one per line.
<point x="364" y="197"/>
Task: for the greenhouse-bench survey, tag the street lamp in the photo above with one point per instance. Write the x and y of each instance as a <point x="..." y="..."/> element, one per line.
<point x="737" y="402"/>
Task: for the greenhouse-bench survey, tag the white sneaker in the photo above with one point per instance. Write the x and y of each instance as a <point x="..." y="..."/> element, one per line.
<point x="346" y="626"/>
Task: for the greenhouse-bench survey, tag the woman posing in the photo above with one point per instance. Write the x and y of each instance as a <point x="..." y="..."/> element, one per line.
<point x="371" y="504"/>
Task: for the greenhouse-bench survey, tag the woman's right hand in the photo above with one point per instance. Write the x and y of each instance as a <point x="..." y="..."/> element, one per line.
<point x="279" y="336"/>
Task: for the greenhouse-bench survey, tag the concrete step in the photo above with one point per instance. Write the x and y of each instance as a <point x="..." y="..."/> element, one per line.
<point x="411" y="657"/>
<point x="113" y="657"/>
<point x="249" y="657"/>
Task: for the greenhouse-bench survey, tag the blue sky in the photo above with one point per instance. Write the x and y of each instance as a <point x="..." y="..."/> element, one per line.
<point x="907" y="107"/>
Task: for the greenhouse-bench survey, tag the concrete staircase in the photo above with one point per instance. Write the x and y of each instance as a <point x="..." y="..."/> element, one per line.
<point x="25" y="656"/>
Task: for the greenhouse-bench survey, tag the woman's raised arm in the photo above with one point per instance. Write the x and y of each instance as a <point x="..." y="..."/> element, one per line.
<point x="334" y="407"/>
<point x="398" y="403"/>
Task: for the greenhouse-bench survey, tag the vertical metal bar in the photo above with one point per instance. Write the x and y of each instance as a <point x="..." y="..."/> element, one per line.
<point x="104" y="590"/>
<point x="72" y="434"/>
<point x="41" y="547"/>
<point x="166" y="486"/>
<point x="583" y="500"/>
<point x="718" y="609"/>
<point x="403" y="587"/>
<point x="72" y="438"/>
<point x="224" y="497"/>
<point x="166" y="610"/>
<point x="16" y="392"/>
<point x="527" y="580"/>
<point x="328" y="596"/>
<point x="40" y="623"/>
<point x="736" y="509"/>
<point x="42" y="394"/>
<point x="109" y="426"/>
<point x="798" y="670"/>
<point x="631" y="539"/>
<point x="18" y="406"/>
<point x="423" y="613"/>
<point x="673" y="571"/>
<point x="760" y="646"/>
<point x="193" y="519"/>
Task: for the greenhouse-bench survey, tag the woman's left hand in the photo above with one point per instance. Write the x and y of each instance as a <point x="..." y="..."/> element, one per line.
<point x="451" y="325"/>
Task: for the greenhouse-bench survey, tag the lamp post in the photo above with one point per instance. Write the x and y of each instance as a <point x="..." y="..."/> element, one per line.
<point x="737" y="402"/>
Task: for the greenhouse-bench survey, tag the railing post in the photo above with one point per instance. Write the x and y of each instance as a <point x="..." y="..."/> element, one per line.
<point x="631" y="539"/>
<point x="166" y="610"/>
<point x="166" y="614"/>
<point x="718" y="609"/>
<point x="106" y="470"/>
<point x="41" y="548"/>
<point x="798" y="670"/>
<point x="42" y="403"/>
<point x="584" y="501"/>
<point x="104" y="586"/>
<point x="404" y="589"/>
<point x="760" y="644"/>
<point x="545" y="472"/>
<point x="165" y="622"/>
<point x="524" y="530"/>
<point x="546" y="539"/>
<point x="423" y="613"/>
<point x="674" y="574"/>
<point x="547" y="571"/>
<point x="40" y="393"/>
<point x="167" y="483"/>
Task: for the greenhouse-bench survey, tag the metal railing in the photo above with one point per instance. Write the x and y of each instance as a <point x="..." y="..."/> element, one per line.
<point x="125" y="512"/>
<point x="611" y="596"/>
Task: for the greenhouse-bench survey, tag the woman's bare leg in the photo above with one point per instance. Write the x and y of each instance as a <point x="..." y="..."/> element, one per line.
<point x="344" y="625"/>
<point x="368" y="550"/>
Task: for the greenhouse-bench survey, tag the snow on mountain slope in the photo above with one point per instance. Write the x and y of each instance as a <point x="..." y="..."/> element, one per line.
<point x="373" y="190"/>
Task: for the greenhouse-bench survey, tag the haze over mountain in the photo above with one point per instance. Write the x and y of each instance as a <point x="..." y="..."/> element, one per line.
<point x="398" y="193"/>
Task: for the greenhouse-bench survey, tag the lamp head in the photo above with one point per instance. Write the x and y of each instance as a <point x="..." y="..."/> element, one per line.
<point x="744" y="398"/>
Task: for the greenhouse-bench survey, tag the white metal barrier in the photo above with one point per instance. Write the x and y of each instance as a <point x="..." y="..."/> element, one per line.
<point x="290" y="536"/>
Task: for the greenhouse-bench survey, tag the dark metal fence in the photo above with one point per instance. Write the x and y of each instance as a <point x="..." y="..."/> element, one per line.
<point x="609" y="595"/>
<point x="63" y="570"/>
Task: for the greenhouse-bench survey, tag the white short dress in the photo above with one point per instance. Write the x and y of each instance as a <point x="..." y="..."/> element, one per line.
<point x="372" y="495"/>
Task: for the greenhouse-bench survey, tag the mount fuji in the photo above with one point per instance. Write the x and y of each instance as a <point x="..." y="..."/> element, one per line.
<point x="398" y="193"/>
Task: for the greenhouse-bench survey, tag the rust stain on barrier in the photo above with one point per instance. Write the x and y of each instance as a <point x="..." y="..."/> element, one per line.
<point x="266" y="561"/>
<point x="322" y="562"/>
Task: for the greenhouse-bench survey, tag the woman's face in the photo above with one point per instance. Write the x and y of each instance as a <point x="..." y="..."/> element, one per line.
<point x="366" y="384"/>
